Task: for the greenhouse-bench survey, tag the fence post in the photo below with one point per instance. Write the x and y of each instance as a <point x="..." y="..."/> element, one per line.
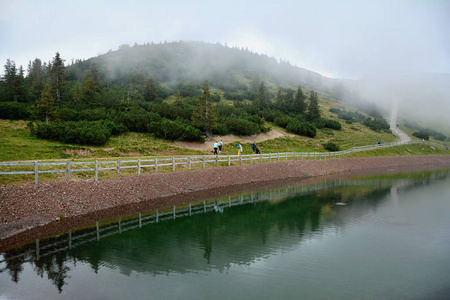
<point x="156" y="165"/>
<point x="157" y="216"/>
<point x="36" y="172"/>
<point x="173" y="164"/>
<point x="294" y="155"/>
<point x="190" y="209"/>
<point x="309" y="155"/>
<point x="204" y="206"/>
<point x="251" y="159"/>
<point x="261" y="157"/>
<point x="229" y="160"/>
<point x="189" y="162"/>
<point x="68" y="171"/>
<point x="270" y="157"/>
<point x="174" y="212"/>
<point x="240" y="160"/>
<point x="203" y="161"/>
<point x="139" y="166"/>
<point x="278" y="156"/>
<point x="217" y="160"/>
<point x="118" y="168"/>
<point x="96" y="170"/>
<point x="286" y="155"/>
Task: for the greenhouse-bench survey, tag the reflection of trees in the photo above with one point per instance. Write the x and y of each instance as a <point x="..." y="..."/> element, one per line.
<point x="54" y="266"/>
<point x="167" y="246"/>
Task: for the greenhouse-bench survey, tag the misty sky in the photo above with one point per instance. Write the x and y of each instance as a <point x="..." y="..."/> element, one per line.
<point x="342" y="39"/>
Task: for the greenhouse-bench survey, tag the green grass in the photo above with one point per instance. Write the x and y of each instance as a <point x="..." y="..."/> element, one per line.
<point x="17" y="144"/>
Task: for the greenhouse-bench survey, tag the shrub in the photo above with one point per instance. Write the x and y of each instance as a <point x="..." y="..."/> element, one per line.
<point x="302" y="128"/>
<point x="330" y="146"/>
<point x="421" y="135"/>
<point x="94" y="133"/>
<point x="14" y="111"/>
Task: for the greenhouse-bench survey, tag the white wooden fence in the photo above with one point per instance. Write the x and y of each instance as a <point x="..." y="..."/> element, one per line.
<point x="189" y="162"/>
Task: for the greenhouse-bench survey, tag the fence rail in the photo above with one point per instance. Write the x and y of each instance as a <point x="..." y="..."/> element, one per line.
<point x="187" y="162"/>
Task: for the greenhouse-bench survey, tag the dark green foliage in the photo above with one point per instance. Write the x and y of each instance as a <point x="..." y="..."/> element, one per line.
<point x="313" y="111"/>
<point x="95" y="133"/>
<point x="240" y="126"/>
<point x="178" y="129"/>
<point x="328" y="123"/>
<point x="348" y="115"/>
<point x="283" y="120"/>
<point x="136" y="120"/>
<point x="262" y="97"/>
<point x="91" y="89"/>
<point x="302" y="128"/>
<point x="377" y="124"/>
<point x="299" y="102"/>
<point x="215" y="98"/>
<point x="432" y="133"/>
<point x="240" y="95"/>
<point x="13" y="82"/>
<point x="204" y="116"/>
<point x="330" y="146"/>
<point x="151" y="89"/>
<point x="421" y="135"/>
<point x="14" y="111"/>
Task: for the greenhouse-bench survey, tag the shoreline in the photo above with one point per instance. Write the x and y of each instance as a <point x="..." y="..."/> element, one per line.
<point x="24" y="209"/>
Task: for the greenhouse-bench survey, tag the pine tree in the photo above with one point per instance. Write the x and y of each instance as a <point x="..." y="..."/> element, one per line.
<point x="313" y="113"/>
<point x="91" y="90"/>
<point x="45" y="107"/>
<point x="289" y="99"/>
<point x="57" y="76"/>
<point x="299" y="103"/>
<point x="261" y="99"/>
<point x="36" y="77"/>
<point x="203" y="116"/>
<point x="178" y="99"/>
<point x="151" y="89"/>
<point x="14" y="81"/>
<point x="279" y="99"/>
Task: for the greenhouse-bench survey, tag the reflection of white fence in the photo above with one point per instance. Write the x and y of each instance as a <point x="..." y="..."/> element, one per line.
<point x="188" y="163"/>
<point x="76" y="238"/>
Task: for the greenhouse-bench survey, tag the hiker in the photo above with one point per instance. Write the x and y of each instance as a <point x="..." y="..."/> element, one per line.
<point x="239" y="147"/>
<point x="220" y="146"/>
<point x="254" y="147"/>
<point x="215" y="148"/>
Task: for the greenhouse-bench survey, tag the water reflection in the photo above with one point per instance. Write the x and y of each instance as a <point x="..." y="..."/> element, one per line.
<point x="211" y="235"/>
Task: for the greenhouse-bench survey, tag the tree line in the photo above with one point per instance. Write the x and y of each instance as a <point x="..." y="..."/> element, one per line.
<point x="91" y="110"/>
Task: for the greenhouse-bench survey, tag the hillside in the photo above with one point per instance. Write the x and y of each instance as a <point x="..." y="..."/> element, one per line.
<point x="194" y="62"/>
<point x="141" y="100"/>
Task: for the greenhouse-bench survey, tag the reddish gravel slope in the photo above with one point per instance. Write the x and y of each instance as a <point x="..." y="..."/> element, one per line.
<point x="28" y="206"/>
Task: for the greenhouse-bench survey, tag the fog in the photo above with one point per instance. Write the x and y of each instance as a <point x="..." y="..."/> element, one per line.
<point x="397" y="50"/>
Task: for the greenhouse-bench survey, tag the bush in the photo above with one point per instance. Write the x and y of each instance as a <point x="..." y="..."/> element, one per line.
<point x="330" y="146"/>
<point x="302" y="128"/>
<point x="94" y="133"/>
<point x="327" y="123"/>
<point x="376" y="124"/>
<point x="14" y="111"/>
<point x="178" y="129"/>
<point x="421" y="135"/>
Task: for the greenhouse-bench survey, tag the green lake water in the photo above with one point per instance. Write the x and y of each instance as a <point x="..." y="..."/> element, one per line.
<point x="383" y="237"/>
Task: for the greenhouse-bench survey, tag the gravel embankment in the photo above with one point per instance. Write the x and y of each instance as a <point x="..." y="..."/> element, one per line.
<point x="29" y="206"/>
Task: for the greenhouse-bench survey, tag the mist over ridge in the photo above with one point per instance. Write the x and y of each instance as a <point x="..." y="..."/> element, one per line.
<point x="420" y="96"/>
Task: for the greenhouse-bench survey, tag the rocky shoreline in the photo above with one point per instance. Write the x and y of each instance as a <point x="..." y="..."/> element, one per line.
<point x="27" y="207"/>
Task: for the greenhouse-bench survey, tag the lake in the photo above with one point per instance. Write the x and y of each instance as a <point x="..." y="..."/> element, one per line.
<point x="372" y="237"/>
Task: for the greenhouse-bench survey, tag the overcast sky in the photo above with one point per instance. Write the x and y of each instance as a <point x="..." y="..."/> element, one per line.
<point x="342" y="39"/>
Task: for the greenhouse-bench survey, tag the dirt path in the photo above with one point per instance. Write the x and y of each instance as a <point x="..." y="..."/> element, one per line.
<point x="404" y="138"/>
<point x="226" y="139"/>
